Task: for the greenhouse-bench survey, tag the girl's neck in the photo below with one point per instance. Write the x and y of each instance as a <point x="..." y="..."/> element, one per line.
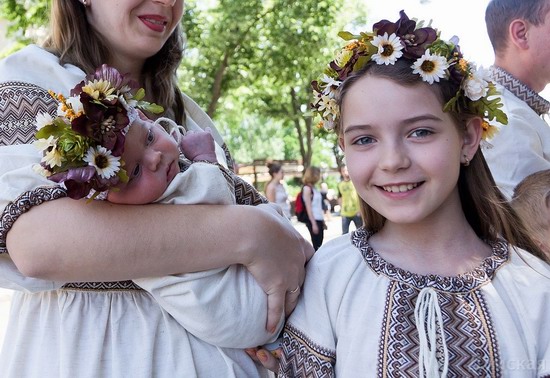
<point x="433" y="247"/>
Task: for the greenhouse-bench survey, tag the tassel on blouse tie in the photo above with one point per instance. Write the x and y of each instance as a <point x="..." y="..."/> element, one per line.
<point x="429" y="322"/>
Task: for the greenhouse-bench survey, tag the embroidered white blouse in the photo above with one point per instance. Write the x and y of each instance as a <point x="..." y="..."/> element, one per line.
<point x="188" y="325"/>
<point x="356" y="317"/>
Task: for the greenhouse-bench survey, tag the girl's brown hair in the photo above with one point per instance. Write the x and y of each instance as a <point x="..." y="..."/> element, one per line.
<point x="484" y="206"/>
<point x="74" y="41"/>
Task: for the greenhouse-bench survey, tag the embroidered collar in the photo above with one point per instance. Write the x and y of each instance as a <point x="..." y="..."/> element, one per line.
<point x="520" y="90"/>
<point x="462" y="283"/>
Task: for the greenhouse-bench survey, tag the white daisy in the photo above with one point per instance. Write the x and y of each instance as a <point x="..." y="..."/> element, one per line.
<point x="75" y="104"/>
<point x="329" y="81"/>
<point x="476" y="86"/>
<point x="43" y="119"/>
<point x="430" y="67"/>
<point x="44" y="144"/>
<point x="61" y="110"/>
<point x="330" y="84"/>
<point x="52" y="157"/>
<point x="104" y="162"/>
<point x="327" y="106"/>
<point x="389" y="49"/>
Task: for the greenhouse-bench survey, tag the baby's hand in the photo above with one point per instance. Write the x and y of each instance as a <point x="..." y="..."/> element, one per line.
<point x="199" y="145"/>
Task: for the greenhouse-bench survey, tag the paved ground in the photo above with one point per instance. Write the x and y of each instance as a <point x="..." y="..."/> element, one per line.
<point x="334" y="229"/>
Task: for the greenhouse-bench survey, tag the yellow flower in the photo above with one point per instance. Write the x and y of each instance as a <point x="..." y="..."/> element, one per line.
<point x="489" y="130"/>
<point x="463" y="65"/>
<point x="99" y="89"/>
<point x="343" y="57"/>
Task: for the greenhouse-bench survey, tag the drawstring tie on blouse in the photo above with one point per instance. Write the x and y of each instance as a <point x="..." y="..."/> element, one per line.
<point x="429" y="322"/>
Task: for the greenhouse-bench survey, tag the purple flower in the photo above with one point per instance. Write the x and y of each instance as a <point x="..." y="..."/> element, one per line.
<point x="104" y="122"/>
<point x="415" y="42"/>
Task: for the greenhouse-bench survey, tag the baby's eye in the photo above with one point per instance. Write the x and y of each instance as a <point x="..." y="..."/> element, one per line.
<point x="150" y="136"/>
<point x="135" y="172"/>
<point x="421" y="133"/>
<point x="363" y="140"/>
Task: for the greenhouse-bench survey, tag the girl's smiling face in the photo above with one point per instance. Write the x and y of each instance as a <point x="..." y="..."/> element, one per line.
<point x="402" y="151"/>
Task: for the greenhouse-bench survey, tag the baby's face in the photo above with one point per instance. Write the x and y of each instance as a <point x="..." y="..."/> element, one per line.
<point x="151" y="158"/>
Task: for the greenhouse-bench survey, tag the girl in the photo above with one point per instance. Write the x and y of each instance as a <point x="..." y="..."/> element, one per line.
<point x="433" y="284"/>
<point x="76" y="307"/>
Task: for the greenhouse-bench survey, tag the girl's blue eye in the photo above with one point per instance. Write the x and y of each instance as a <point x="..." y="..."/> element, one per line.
<point x="421" y="133"/>
<point x="363" y="140"/>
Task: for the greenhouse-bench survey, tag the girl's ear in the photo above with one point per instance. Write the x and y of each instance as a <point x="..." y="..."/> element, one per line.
<point x="472" y="138"/>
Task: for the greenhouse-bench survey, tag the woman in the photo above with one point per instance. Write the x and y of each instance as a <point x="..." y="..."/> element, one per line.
<point x="275" y="190"/>
<point x="313" y="202"/>
<point x="93" y="328"/>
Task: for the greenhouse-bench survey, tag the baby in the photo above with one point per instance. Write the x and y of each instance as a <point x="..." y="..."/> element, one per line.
<point x="101" y="146"/>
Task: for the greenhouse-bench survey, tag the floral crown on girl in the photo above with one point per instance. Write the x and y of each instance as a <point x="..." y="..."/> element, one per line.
<point x="431" y="57"/>
<point x="83" y="145"/>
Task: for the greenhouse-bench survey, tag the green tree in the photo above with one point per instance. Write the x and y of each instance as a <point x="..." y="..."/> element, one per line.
<point x="249" y="63"/>
<point x="254" y="60"/>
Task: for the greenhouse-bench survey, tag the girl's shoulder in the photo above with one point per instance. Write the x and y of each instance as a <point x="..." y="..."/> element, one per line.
<point x="336" y="257"/>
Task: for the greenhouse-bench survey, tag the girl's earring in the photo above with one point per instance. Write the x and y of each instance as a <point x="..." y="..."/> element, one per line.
<point x="84" y="2"/>
<point x="466" y="161"/>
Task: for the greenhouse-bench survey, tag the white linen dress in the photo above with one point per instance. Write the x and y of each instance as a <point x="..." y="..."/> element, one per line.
<point x="188" y="325"/>
<point x="356" y="316"/>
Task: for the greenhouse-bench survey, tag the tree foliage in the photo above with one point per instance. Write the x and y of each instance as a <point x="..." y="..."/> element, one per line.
<point x="249" y="64"/>
<point x="24" y="17"/>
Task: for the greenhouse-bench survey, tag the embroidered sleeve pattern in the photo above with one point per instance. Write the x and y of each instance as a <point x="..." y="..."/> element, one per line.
<point x="24" y="203"/>
<point x="19" y="104"/>
<point x="245" y="193"/>
<point x="303" y="358"/>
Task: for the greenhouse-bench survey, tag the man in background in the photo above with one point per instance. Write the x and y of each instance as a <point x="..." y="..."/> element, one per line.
<point x="348" y="201"/>
<point x="519" y="31"/>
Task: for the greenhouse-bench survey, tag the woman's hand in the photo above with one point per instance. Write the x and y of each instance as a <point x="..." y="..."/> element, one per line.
<point x="280" y="269"/>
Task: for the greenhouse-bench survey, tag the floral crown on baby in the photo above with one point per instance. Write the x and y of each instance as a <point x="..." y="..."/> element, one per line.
<point x="83" y="145"/>
<point x="431" y="57"/>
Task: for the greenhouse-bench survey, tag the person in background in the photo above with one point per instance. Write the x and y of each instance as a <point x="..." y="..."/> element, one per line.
<point x="275" y="189"/>
<point x="75" y="306"/>
<point x="519" y="31"/>
<point x="313" y="203"/>
<point x="349" y="202"/>
<point x="327" y="208"/>
<point x="531" y="200"/>
<point x="435" y="283"/>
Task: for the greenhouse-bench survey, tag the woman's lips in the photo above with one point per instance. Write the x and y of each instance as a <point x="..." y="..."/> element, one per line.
<point x="155" y="23"/>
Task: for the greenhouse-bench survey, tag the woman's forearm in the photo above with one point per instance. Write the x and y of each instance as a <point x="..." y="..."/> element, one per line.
<point x="71" y="240"/>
